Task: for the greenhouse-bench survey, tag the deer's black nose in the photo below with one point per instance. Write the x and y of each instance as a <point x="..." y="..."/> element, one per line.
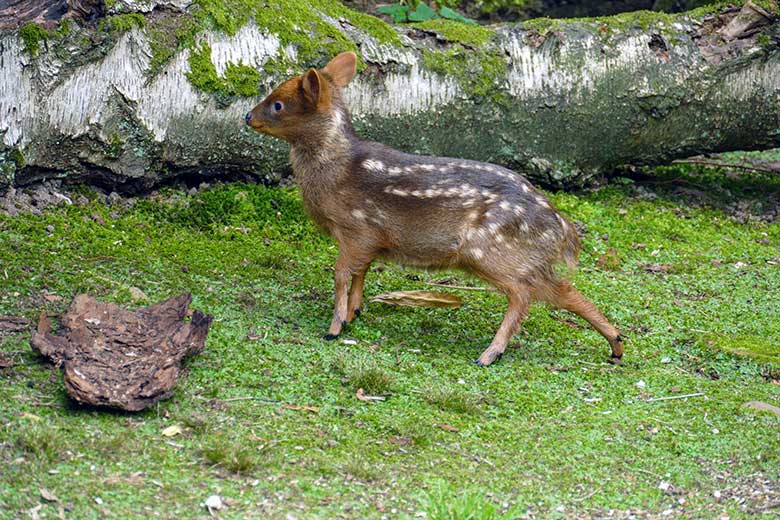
<point x="248" y="117"/>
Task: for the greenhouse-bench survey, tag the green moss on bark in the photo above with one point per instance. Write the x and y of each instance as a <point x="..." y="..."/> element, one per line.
<point x="470" y="35"/>
<point x="295" y="22"/>
<point x="239" y="80"/>
<point x="478" y="66"/>
<point x="123" y="22"/>
<point x="644" y="20"/>
<point x="32" y="36"/>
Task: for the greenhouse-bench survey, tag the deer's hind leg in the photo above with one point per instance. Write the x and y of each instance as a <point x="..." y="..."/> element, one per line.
<point x="356" y="294"/>
<point x="565" y="296"/>
<point x="519" y="296"/>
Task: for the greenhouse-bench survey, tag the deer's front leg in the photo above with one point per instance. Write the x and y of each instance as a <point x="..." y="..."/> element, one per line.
<point x="349" y="263"/>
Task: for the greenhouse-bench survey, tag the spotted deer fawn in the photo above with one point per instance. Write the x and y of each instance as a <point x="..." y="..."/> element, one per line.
<point x="431" y="212"/>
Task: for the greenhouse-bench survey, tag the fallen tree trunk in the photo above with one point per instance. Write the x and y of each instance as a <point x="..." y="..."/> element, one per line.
<point x="149" y="94"/>
<point x="513" y="10"/>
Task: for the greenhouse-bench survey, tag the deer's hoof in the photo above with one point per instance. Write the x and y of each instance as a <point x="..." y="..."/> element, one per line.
<point x="330" y="337"/>
<point x="481" y="363"/>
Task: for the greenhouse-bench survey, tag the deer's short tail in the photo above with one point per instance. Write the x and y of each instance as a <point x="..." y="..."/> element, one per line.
<point x="570" y="245"/>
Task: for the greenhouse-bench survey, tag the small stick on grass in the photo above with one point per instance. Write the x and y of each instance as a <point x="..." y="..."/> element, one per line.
<point x="670" y="397"/>
<point x="716" y="164"/>
<point x="584" y="498"/>
<point x="247" y="398"/>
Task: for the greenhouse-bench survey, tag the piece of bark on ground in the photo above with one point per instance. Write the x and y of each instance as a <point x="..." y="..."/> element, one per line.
<point x="118" y="358"/>
<point x="13" y="324"/>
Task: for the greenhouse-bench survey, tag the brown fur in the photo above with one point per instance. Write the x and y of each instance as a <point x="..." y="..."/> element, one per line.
<point x="431" y="212"/>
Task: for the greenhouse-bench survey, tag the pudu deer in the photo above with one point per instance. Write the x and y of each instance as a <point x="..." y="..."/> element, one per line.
<point x="431" y="212"/>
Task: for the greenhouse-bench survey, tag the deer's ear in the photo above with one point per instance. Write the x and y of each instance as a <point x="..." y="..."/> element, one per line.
<point x="312" y="86"/>
<point x="342" y="68"/>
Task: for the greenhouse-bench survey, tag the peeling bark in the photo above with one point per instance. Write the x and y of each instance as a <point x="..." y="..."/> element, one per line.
<point x="122" y="359"/>
<point x="567" y="102"/>
<point x="46" y="13"/>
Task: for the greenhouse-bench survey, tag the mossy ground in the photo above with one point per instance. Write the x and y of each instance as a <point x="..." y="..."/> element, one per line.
<point x="551" y="428"/>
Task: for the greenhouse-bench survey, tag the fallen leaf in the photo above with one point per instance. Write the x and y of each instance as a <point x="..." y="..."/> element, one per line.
<point x="361" y="395"/>
<point x="764" y="407"/>
<point x="312" y="409"/>
<point x="657" y="268"/>
<point x="610" y="260"/>
<point x="51" y="297"/>
<point x="33" y="513"/>
<point x="418" y="299"/>
<point x="172" y="431"/>
<point x="401" y="441"/>
<point x="446" y="427"/>
<point x="27" y="415"/>
<point x="213" y="502"/>
<point x="137" y="295"/>
<point x="48" y="495"/>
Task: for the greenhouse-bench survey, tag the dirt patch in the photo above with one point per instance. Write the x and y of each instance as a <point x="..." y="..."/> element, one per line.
<point x="116" y="358"/>
<point x="33" y="199"/>
<point x="756" y="494"/>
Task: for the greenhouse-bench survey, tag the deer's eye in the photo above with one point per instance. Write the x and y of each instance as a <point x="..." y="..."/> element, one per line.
<point x="278" y="106"/>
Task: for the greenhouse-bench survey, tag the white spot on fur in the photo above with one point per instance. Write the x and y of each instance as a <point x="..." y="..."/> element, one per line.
<point x="359" y="214"/>
<point x="518" y="210"/>
<point x="373" y="165"/>
<point x="400" y="193"/>
<point x="477" y="253"/>
<point x="504" y="205"/>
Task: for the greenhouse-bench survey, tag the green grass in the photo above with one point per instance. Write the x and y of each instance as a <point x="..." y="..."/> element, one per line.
<point x="550" y="430"/>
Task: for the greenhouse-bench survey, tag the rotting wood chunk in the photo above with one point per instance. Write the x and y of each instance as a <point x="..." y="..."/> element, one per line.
<point x="117" y="358"/>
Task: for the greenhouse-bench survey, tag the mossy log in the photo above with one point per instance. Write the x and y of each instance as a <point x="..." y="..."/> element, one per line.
<point x="158" y="89"/>
<point x="525" y="9"/>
